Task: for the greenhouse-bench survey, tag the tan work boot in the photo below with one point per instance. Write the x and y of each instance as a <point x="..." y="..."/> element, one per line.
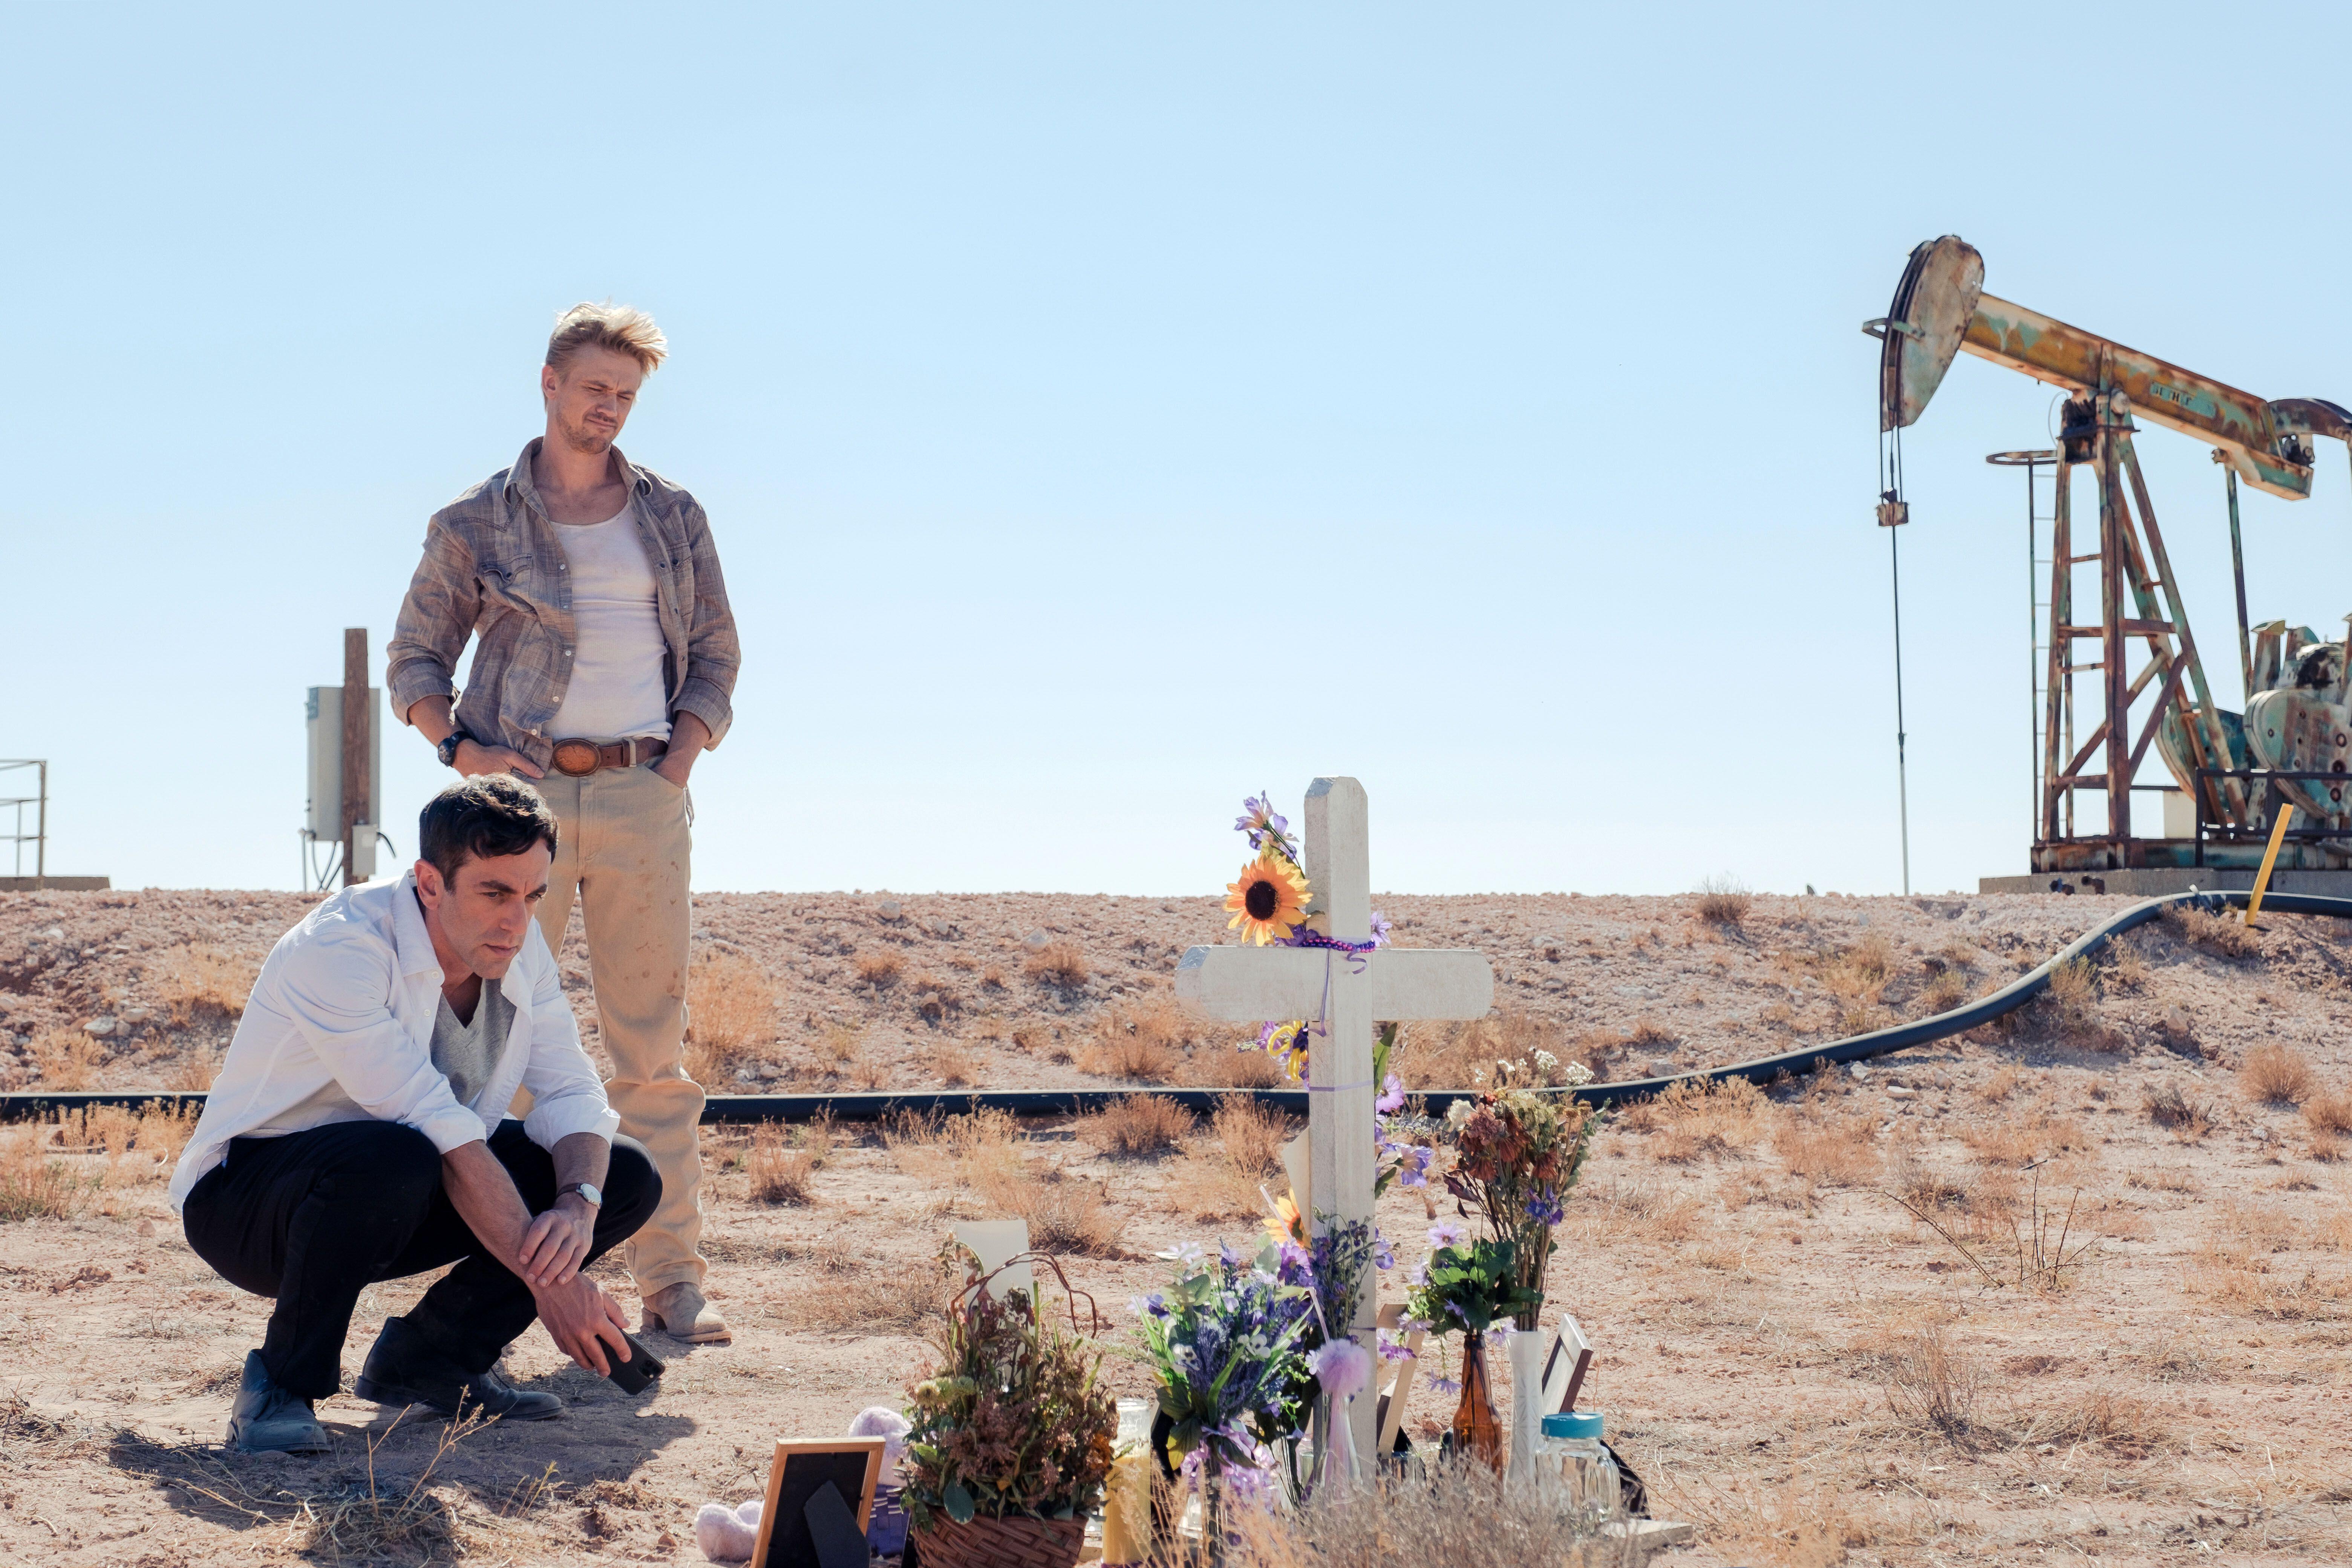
<point x="680" y="1312"/>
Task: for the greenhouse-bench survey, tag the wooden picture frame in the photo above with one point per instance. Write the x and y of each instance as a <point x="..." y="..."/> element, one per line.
<point x="802" y="1466"/>
<point x="1564" y="1367"/>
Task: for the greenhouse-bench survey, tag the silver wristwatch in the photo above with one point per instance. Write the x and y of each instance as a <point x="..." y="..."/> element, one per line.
<point x="596" y="1199"/>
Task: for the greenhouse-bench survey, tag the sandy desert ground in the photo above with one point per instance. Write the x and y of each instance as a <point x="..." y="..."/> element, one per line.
<point x="1831" y="1329"/>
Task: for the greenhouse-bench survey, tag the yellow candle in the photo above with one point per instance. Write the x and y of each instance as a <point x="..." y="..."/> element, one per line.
<point x="1127" y="1510"/>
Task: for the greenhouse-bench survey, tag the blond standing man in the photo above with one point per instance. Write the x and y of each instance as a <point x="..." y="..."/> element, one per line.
<point x="605" y="666"/>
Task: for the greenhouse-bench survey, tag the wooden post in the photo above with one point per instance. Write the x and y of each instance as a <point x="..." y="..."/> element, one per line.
<point x="1339" y="1065"/>
<point x="357" y="807"/>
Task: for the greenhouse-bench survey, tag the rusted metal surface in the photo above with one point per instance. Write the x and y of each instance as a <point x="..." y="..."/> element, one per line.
<point x="1933" y="307"/>
<point x="2236" y="423"/>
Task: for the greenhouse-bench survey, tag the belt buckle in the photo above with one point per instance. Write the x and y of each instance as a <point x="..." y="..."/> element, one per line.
<point x="577" y="759"/>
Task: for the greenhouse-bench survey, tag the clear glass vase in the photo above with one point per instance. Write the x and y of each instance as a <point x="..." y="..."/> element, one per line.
<point x="1525" y="1349"/>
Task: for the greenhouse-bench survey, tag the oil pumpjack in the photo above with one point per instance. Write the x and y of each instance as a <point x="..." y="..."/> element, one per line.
<point x="2293" y="743"/>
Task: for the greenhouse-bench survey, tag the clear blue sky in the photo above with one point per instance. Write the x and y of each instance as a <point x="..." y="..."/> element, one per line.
<point x="1106" y="411"/>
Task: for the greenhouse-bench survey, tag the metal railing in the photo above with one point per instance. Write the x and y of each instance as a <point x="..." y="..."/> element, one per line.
<point x="2268" y="778"/>
<point x="39" y="838"/>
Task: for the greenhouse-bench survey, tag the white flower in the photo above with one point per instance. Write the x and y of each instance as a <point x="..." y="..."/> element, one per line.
<point x="1546" y="1060"/>
<point x="1577" y="1073"/>
<point x="1457" y="1113"/>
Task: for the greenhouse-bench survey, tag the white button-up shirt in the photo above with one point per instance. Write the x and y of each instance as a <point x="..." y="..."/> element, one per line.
<point x="339" y="1029"/>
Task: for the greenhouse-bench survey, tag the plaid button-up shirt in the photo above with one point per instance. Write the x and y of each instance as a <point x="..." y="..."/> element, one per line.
<point x="494" y="567"/>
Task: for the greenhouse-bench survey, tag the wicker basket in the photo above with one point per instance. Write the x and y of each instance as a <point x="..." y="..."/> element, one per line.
<point x="1018" y="1542"/>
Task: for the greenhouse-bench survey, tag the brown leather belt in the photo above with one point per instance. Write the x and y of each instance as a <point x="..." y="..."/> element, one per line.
<point x="578" y="759"/>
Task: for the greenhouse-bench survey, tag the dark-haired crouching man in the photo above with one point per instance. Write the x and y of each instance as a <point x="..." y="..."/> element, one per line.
<point x="356" y="1134"/>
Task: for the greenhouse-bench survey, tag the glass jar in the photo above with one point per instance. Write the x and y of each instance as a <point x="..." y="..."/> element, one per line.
<point x="1126" y="1496"/>
<point x="1570" y="1458"/>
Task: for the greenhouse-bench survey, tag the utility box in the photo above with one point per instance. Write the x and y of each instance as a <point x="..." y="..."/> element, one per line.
<point x="323" y="714"/>
<point x="2179" y="814"/>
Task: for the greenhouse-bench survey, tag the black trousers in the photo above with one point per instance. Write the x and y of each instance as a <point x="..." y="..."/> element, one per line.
<point x="313" y="1218"/>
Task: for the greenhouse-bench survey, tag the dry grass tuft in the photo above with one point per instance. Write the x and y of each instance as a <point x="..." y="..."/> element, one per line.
<point x="1222" y="1174"/>
<point x="2002" y="1084"/>
<point x="193" y="983"/>
<point x="2171" y="1106"/>
<point x="847" y="1292"/>
<point x="1144" y="1043"/>
<point x="1458" y="1513"/>
<point x="934" y="999"/>
<point x="731" y="1010"/>
<point x="1833" y="1150"/>
<point x="1693" y="1120"/>
<point x="1245" y="1069"/>
<point x="953" y="1063"/>
<point x="67" y="1059"/>
<point x="1066" y="1213"/>
<point x="2329" y="1112"/>
<point x="2016" y="1141"/>
<point x="880" y="970"/>
<point x="1649" y="1209"/>
<point x="1451" y="1055"/>
<point x="33" y="1183"/>
<point x="1946" y="989"/>
<point x="2073" y="1000"/>
<point x="1139" y="1124"/>
<point x="2277" y="1074"/>
<point x="1931" y="1383"/>
<point x="1061" y="963"/>
<point x="2224" y="933"/>
<point x="782" y="1166"/>
<point x="1723" y="901"/>
<point x="1251" y="1135"/>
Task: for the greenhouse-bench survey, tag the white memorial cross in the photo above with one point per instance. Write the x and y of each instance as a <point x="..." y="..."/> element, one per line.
<point x="1347" y="994"/>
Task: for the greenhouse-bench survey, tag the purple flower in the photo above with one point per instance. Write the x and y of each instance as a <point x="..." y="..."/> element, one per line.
<point x="1382" y="1256"/>
<point x="1445" y="1233"/>
<point x="1152" y="1306"/>
<point x="1381" y="929"/>
<point x="1392" y="1099"/>
<point x="1258" y="819"/>
<point x="1418" y="1274"/>
<point x="1390" y="1348"/>
<point x="1444" y="1385"/>
<point x="1545" y="1207"/>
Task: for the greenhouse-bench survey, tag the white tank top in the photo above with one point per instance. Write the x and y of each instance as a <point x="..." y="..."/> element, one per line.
<point x="616" y="692"/>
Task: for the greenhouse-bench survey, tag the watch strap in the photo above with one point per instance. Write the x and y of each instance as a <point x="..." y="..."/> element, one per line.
<point x="584" y="1189"/>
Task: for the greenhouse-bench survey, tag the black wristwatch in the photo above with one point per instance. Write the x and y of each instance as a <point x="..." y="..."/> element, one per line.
<point x="447" y="750"/>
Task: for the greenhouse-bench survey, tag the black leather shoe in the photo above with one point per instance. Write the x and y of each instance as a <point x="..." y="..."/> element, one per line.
<point x="267" y="1419"/>
<point x="402" y="1369"/>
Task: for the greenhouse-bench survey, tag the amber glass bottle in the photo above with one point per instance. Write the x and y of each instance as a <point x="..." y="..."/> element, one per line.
<point x="1476" y="1429"/>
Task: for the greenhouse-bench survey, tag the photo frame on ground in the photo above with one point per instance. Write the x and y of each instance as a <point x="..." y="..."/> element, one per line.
<point x="820" y="1498"/>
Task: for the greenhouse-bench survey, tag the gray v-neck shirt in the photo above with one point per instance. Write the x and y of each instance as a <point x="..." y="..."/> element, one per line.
<point x="467" y="1053"/>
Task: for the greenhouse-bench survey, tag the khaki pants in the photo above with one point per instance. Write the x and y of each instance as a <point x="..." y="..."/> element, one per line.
<point x="625" y="841"/>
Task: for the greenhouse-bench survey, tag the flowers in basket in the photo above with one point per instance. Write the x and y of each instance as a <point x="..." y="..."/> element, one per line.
<point x="1013" y="1426"/>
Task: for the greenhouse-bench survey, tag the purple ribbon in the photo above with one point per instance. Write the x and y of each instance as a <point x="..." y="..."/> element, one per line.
<point x="1304" y="937"/>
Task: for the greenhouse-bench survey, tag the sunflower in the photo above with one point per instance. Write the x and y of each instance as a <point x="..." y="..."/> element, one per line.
<point x="1267" y="899"/>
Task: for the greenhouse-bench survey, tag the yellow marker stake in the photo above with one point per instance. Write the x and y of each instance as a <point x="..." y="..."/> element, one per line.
<point x="2270" y="859"/>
